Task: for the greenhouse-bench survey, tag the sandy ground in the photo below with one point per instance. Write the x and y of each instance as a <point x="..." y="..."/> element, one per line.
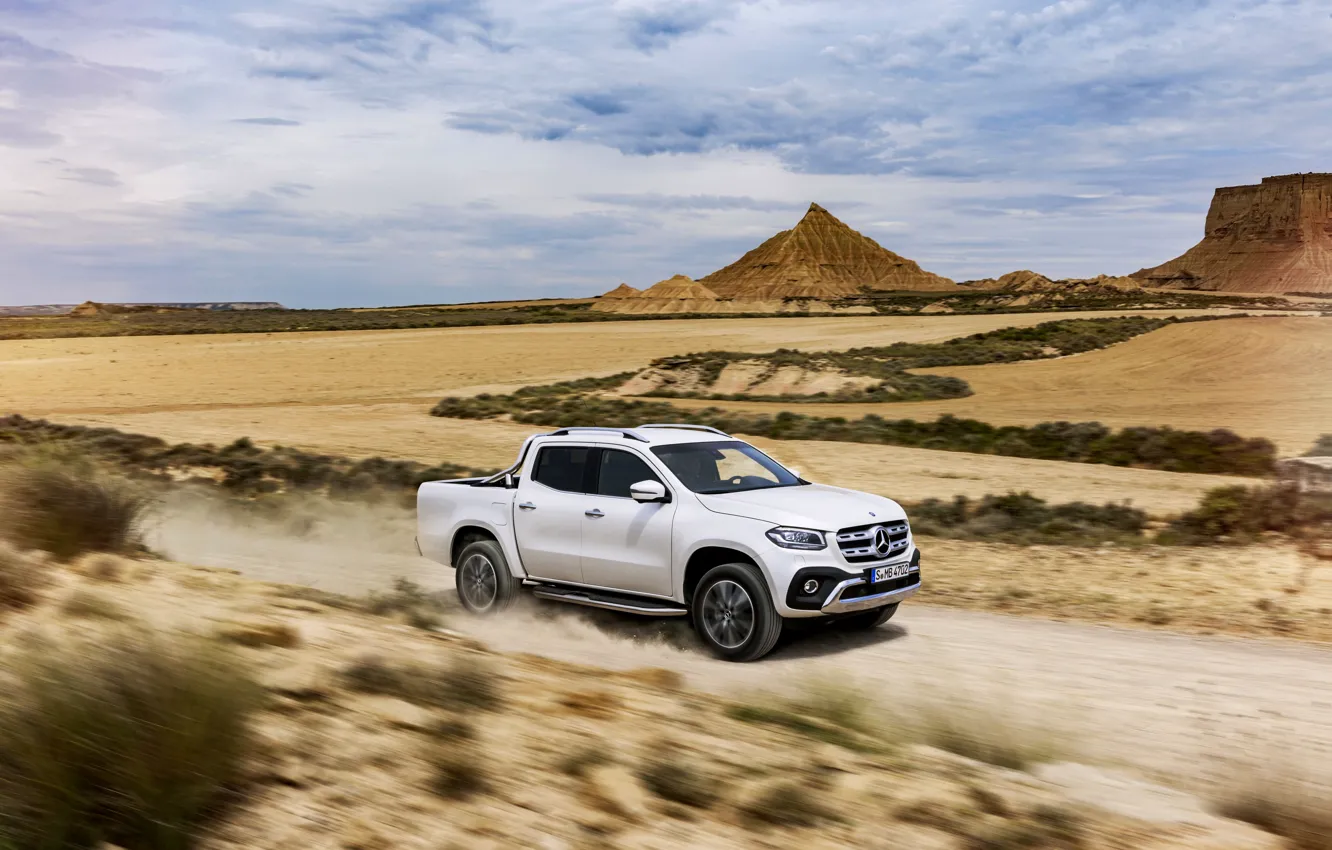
<point x="139" y="374"/>
<point x="1264" y="377"/>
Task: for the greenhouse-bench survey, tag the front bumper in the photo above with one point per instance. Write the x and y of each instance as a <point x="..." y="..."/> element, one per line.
<point x="849" y="597"/>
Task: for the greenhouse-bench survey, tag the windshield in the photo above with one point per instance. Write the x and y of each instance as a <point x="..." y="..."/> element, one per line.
<point x="725" y="466"/>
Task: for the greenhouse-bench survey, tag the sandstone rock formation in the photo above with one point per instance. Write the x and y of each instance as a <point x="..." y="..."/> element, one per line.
<point x="1272" y="237"/>
<point x="624" y="290"/>
<point x="676" y="288"/>
<point x="819" y="258"/>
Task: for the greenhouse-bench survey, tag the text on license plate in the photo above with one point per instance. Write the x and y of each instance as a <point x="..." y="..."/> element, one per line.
<point x="890" y="572"/>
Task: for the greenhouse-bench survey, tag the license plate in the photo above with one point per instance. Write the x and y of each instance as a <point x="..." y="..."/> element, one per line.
<point x="890" y="572"/>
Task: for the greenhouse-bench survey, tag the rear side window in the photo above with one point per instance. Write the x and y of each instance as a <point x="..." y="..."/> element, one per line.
<point x="563" y="468"/>
<point x="621" y="470"/>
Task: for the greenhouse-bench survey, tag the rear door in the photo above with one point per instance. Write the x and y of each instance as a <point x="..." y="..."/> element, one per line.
<point x="626" y="544"/>
<point x="548" y="513"/>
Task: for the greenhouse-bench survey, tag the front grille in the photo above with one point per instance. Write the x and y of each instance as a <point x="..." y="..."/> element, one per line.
<point x="858" y="544"/>
<point x="908" y="580"/>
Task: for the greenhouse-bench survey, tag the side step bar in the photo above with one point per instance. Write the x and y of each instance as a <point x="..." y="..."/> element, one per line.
<point x="612" y="602"/>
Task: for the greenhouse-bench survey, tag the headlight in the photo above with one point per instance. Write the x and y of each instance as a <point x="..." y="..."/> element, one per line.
<point x="797" y="538"/>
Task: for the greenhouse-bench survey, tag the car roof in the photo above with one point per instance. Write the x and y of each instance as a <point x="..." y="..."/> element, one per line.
<point x="655" y="435"/>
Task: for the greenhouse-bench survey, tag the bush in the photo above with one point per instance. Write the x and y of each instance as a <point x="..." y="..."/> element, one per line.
<point x="466" y="684"/>
<point x="1280" y="799"/>
<point x="1025" y="519"/>
<point x="67" y="514"/>
<point x="1239" y="514"/>
<point x="672" y="779"/>
<point x="1322" y="447"/>
<point x="21" y="576"/>
<point x="134" y="741"/>
<point x="1219" y="451"/>
<point x="458" y="769"/>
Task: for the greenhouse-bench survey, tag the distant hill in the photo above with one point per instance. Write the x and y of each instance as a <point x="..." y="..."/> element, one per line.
<point x="135" y="306"/>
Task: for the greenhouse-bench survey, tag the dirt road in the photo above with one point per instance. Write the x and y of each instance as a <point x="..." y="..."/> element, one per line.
<point x="1168" y="704"/>
<point x="1154" y="701"/>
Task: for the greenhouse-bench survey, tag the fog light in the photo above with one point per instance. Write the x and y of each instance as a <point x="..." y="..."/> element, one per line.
<point x="811" y="586"/>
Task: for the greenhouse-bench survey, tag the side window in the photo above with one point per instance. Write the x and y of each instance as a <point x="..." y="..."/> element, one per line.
<point x="562" y="468"/>
<point x="620" y="470"/>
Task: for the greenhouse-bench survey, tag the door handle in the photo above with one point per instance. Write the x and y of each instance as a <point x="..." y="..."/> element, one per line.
<point x="526" y="506"/>
<point x="594" y="513"/>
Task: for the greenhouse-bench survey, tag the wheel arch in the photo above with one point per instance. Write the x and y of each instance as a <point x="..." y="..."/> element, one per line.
<point x="705" y="558"/>
<point x="464" y="535"/>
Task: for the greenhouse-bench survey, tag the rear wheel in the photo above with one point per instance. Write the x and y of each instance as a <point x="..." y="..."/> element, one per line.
<point x="733" y="613"/>
<point x="485" y="585"/>
<point x="866" y="620"/>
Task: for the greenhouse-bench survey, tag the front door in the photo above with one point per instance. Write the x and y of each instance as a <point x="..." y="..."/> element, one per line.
<point x="548" y="514"/>
<point x="626" y="544"/>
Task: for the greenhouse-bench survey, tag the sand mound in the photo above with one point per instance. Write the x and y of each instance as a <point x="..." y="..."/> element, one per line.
<point x="1273" y="237"/>
<point x="624" y="290"/>
<point x="819" y="258"/>
<point x="678" y="288"/>
<point x="93" y="308"/>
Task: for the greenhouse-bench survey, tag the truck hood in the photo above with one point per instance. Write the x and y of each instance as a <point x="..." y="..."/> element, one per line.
<point x="815" y="506"/>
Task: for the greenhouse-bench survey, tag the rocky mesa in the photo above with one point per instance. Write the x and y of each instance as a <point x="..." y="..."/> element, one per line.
<point x="1272" y="237"/>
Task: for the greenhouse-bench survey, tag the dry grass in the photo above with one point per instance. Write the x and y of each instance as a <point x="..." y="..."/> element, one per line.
<point x="584" y="758"/>
<point x="671" y="777"/>
<point x="89" y="604"/>
<point x="1260" y="590"/>
<point x="1280" y="797"/>
<point x="985" y="728"/>
<point x="22" y="575"/>
<point x="67" y="513"/>
<point x="459" y="770"/>
<point x="130" y="740"/>
<point x="466" y="684"/>
<point x="256" y="635"/>
<point x="102" y="566"/>
<point x="785" y="802"/>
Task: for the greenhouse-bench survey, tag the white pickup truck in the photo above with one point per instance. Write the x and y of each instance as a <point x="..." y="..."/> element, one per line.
<point x="671" y="521"/>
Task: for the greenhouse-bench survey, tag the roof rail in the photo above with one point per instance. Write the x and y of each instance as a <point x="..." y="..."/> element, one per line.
<point x="685" y="427"/>
<point x="627" y="433"/>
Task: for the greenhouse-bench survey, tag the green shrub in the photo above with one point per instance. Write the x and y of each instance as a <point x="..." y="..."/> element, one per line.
<point x="68" y="514"/>
<point x="1025" y="519"/>
<point x="1219" y="451"/>
<point x="135" y="741"/>
<point x="1239" y="514"/>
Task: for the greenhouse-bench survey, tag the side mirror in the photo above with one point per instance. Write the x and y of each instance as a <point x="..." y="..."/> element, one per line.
<point x="508" y="480"/>
<point x="794" y="471"/>
<point x="648" y="491"/>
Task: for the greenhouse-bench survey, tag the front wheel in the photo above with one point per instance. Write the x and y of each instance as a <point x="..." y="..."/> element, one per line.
<point x="733" y="613"/>
<point x="485" y="585"/>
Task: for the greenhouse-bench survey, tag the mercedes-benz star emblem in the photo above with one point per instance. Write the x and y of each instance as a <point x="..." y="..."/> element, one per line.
<point x="881" y="542"/>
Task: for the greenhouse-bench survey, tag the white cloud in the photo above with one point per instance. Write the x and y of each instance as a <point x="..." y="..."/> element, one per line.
<point x="369" y="151"/>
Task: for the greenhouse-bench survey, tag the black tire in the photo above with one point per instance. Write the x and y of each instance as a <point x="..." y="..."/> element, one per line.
<point x="485" y="585"/>
<point x="866" y="620"/>
<point x="733" y="613"/>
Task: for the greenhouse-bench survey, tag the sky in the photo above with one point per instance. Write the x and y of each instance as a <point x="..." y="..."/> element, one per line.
<point x="373" y="152"/>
